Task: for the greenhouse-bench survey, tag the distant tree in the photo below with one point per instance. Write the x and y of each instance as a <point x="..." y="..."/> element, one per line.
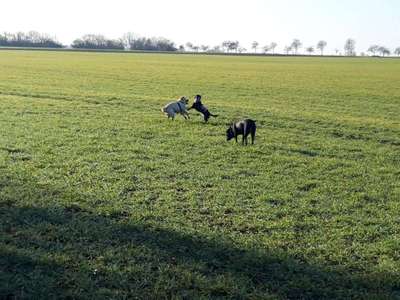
<point x="296" y="44"/>
<point x="216" y="49"/>
<point x="383" y="51"/>
<point x="181" y="48"/>
<point x="133" y="42"/>
<point x="336" y="51"/>
<point x="272" y="47"/>
<point x="397" y="51"/>
<point x="163" y="44"/>
<point x="287" y="49"/>
<point x="266" y="48"/>
<point x="204" y="48"/>
<point x="196" y="48"/>
<point x="321" y="46"/>
<point x="189" y="45"/>
<point x="234" y="46"/>
<point x="128" y="39"/>
<point x="97" y="41"/>
<point x="310" y="50"/>
<point x="254" y="45"/>
<point x="230" y="45"/>
<point x="373" y="49"/>
<point x="350" y="47"/>
<point x="225" y="45"/>
<point x="241" y="49"/>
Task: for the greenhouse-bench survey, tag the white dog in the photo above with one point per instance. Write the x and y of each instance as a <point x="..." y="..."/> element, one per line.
<point x="176" y="107"/>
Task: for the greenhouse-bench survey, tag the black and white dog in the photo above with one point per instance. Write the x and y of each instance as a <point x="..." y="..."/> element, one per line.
<point x="197" y="105"/>
<point x="244" y="127"/>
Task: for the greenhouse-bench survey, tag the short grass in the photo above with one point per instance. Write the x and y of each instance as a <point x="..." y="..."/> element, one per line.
<point x="101" y="197"/>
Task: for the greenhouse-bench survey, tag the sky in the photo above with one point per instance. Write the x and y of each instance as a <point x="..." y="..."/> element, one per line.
<point x="212" y="21"/>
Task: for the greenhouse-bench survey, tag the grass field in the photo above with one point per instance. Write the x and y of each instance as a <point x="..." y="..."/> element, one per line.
<point x="102" y="197"/>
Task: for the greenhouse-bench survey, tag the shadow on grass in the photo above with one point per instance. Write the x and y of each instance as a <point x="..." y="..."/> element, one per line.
<point x="68" y="252"/>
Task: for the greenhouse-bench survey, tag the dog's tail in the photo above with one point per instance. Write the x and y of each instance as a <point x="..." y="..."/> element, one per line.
<point x="212" y="115"/>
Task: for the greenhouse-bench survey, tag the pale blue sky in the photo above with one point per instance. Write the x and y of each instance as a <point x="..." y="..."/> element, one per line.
<point x="212" y="21"/>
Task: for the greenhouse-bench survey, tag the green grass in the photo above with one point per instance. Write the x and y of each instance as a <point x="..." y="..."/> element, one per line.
<point x="102" y="197"/>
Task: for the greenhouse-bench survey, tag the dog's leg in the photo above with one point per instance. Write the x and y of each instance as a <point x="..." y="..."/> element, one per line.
<point x="244" y="134"/>
<point x="253" y="136"/>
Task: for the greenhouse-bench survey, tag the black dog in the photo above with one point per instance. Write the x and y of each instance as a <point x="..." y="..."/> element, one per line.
<point x="197" y="105"/>
<point x="244" y="127"/>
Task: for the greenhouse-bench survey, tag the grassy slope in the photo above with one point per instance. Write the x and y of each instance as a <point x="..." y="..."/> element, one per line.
<point x="100" y="196"/>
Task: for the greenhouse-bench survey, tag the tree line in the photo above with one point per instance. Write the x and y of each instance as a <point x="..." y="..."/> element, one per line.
<point x="29" y="39"/>
<point x="88" y="41"/>
<point x="130" y="41"/>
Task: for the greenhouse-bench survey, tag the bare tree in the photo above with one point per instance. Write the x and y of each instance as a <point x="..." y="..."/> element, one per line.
<point x="241" y="49"/>
<point x="336" y="51"/>
<point x="287" y="49"/>
<point x="321" y="46"/>
<point x="216" y="49"/>
<point x="225" y="45"/>
<point x="310" y="50"/>
<point x="254" y="45"/>
<point x="204" y="48"/>
<point x="272" y="47"/>
<point x="296" y="44"/>
<point x="350" y="47"/>
<point x="30" y="39"/>
<point x="189" y="45"/>
<point x="383" y="51"/>
<point x="373" y="49"/>
<point x="397" y="51"/>
<point x="234" y="45"/>
<point x="98" y="41"/>
<point x="266" y="48"/>
<point x="230" y="45"/>
<point x="128" y="39"/>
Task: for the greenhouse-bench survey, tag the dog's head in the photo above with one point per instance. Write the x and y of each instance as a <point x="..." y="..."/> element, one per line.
<point x="230" y="134"/>
<point x="184" y="100"/>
